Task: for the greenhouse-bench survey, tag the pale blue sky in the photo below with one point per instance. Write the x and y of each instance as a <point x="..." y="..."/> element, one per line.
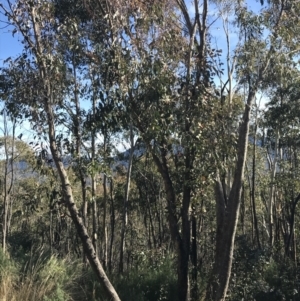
<point x="9" y="46"/>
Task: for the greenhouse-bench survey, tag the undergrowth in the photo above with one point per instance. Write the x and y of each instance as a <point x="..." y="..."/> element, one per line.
<point x="42" y="278"/>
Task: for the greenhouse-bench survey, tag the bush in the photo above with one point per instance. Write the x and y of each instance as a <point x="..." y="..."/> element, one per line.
<point x="153" y="282"/>
<point x="258" y="276"/>
<point x="153" y="279"/>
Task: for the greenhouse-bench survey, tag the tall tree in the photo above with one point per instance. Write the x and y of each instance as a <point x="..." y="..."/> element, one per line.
<point x="36" y="23"/>
<point x="253" y="70"/>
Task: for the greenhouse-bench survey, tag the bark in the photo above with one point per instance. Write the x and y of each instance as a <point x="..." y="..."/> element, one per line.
<point x="104" y="235"/>
<point x="74" y="213"/>
<point x="183" y="275"/>
<point x="292" y="226"/>
<point x="5" y="202"/>
<point x="227" y="215"/>
<point x="8" y="181"/>
<point x="182" y="242"/>
<point x="94" y="184"/>
<point x="159" y="222"/>
<point x="112" y="226"/>
<point x="151" y="225"/>
<point x="273" y="165"/>
<point x="78" y="137"/>
<point x="51" y="232"/>
<point x="255" y="222"/>
<point x="95" y="215"/>
<point x="125" y="205"/>
<point x="194" y="259"/>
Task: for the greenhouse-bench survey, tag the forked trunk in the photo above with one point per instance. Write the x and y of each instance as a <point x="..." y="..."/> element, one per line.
<point x="227" y="215"/>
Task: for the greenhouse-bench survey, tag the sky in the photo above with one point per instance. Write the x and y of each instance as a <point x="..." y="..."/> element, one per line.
<point x="11" y="46"/>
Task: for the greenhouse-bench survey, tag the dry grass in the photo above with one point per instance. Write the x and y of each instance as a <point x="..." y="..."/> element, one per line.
<point x="42" y="279"/>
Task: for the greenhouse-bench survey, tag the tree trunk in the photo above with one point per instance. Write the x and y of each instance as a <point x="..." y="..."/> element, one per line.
<point x="292" y="226"/>
<point x="194" y="259"/>
<point x="253" y="190"/>
<point x="227" y="215"/>
<point x="273" y="165"/>
<point x="77" y="220"/>
<point x="93" y="176"/>
<point x="8" y="180"/>
<point x="77" y="134"/>
<point x="112" y="225"/>
<point x="182" y="244"/>
<point x="151" y="225"/>
<point x="125" y="206"/>
<point x="104" y="235"/>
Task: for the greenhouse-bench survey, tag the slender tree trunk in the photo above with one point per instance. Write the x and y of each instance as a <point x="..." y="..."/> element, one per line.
<point x="112" y="226"/>
<point x="93" y="176"/>
<point x="77" y="220"/>
<point x="272" y="189"/>
<point x="253" y="190"/>
<point x="186" y="220"/>
<point x="78" y="138"/>
<point x="159" y="221"/>
<point x="182" y="245"/>
<point x="125" y="205"/>
<point x="104" y="235"/>
<point x="293" y="248"/>
<point x="194" y="259"/>
<point x="5" y="208"/>
<point x="292" y="226"/>
<point x="151" y="225"/>
<point x="8" y="179"/>
<point x="95" y="214"/>
<point x="51" y="232"/>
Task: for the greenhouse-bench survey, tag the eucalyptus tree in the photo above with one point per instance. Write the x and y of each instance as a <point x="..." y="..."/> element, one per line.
<point x="151" y="68"/>
<point x="282" y="124"/>
<point x="165" y="89"/>
<point x="254" y="57"/>
<point x="15" y="154"/>
<point x="92" y="50"/>
<point x="37" y="24"/>
<point x="8" y="143"/>
<point x="104" y="121"/>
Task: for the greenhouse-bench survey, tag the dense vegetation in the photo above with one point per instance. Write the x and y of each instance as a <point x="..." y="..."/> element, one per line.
<point x="163" y="161"/>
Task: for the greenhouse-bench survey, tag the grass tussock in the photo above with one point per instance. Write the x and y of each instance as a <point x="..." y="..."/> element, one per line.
<point x="42" y="278"/>
<point x="50" y="278"/>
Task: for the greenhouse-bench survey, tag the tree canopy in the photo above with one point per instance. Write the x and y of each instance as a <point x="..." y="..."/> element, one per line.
<point x="165" y="141"/>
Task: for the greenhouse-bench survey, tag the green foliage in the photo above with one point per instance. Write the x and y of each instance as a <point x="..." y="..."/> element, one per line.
<point x="153" y="280"/>
<point x="258" y="276"/>
<point x="137" y="65"/>
<point x="58" y="295"/>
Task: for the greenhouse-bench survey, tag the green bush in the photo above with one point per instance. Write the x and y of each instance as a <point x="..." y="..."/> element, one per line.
<point x="152" y="279"/>
<point x="258" y="276"/>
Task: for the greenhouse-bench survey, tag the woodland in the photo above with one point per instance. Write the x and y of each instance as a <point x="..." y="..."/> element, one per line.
<point x="162" y="160"/>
